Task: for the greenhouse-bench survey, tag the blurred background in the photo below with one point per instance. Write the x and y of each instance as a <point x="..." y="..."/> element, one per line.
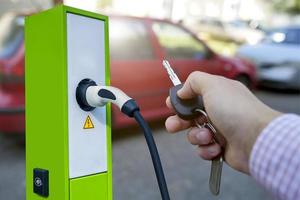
<point x="256" y="42"/>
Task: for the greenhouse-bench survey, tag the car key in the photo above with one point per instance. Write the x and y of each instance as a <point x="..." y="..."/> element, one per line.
<point x="186" y="109"/>
<point x="189" y="109"/>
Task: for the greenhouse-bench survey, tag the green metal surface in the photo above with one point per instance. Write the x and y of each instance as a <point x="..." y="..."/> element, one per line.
<point x="46" y="102"/>
<point x="46" y="108"/>
<point x="94" y="187"/>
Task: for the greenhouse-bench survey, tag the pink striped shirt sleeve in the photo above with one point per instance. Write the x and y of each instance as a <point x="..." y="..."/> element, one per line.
<point x="275" y="158"/>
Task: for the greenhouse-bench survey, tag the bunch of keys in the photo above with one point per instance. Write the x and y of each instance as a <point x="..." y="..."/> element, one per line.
<point x="193" y="109"/>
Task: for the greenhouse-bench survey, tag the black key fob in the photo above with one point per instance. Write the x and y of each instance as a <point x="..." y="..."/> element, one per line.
<point x="185" y="108"/>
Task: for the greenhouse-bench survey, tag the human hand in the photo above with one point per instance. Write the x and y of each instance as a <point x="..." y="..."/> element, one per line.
<point x="235" y="112"/>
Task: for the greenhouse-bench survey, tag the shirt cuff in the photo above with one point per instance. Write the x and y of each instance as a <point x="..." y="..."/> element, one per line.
<point x="272" y="161"/>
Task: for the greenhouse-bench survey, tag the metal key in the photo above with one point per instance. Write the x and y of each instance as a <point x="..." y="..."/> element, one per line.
<point x="174" y="78"/>
<point x="217" y="163"/>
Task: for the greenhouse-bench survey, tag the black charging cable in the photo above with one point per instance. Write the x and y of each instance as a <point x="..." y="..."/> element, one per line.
<point x="131" y="109"/>
<point x="154" y="155"/>
<point x="89" y="96"/>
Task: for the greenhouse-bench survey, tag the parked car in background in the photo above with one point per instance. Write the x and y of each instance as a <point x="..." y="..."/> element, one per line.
<point x="252" y="24"/>
<point x="12" y="99"/>
<point x="248" y="32"/>
<point x="277" y="57"/>
<point x="281" y="76"/>
<point x="138" y="46"/>
<point x="236" y="31"/>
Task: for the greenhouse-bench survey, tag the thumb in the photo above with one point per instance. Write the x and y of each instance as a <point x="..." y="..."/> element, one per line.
<point x="196" y="84"/>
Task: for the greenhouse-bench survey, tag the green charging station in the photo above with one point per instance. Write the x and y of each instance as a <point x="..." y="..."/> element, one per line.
<point x="68" y="150"/>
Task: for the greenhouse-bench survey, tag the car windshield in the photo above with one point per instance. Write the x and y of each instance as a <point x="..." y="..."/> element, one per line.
<point x="177" y="42"/>
<point x="11" y="34"/>
<point x="284" y="36"/>
<point x="129" y="40"/>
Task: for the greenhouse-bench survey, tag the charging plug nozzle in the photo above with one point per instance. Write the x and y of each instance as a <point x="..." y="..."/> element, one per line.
<point x="89" y="95"/>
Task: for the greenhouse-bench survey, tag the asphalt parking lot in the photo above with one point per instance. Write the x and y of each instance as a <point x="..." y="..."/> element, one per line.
<point x="133" y="174"/>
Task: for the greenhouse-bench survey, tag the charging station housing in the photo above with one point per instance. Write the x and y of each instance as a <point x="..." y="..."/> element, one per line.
<point x="68" y="150"/>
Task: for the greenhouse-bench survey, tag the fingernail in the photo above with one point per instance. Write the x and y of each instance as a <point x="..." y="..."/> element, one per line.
<point x="199" y="135"/>
<point x="211" y="150"/>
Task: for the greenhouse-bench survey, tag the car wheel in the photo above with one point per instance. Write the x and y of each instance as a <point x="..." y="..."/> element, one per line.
<point x="244" y="79"/>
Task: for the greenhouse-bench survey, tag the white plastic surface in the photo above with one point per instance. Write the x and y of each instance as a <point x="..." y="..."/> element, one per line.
<point x="86" y="59"/>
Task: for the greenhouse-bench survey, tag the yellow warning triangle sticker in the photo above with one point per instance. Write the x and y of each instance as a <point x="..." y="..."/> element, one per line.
<point x="88" y="124"/>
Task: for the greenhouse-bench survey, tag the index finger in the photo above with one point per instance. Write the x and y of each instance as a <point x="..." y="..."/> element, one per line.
<point x="174" y="124"/>
<point x="169" y="104"/>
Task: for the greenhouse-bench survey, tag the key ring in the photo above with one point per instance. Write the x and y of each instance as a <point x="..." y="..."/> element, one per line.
<point x="203" y="114"/>
<point x="207" y="124"/>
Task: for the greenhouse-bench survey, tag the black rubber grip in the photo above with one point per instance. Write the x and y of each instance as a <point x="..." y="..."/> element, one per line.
<point x="185" y="108"/>
<point x="104" y="93"/>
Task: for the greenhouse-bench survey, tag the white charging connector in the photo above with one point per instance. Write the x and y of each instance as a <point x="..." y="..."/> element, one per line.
<point x="89" y="95"/>
<point x="98" y="96"/>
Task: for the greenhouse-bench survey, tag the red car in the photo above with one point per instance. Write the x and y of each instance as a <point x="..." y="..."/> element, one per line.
<point x="138" y="46"/>
<point x="12" y="118"/>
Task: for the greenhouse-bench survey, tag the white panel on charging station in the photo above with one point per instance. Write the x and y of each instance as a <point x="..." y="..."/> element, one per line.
<point x="86" y="59"/>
